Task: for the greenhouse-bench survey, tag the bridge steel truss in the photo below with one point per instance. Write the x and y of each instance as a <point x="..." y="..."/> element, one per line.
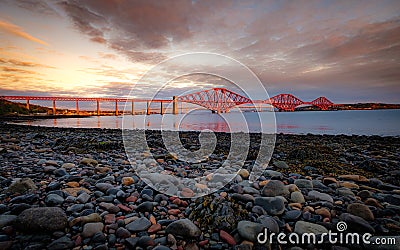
<point x="219" y="100"/>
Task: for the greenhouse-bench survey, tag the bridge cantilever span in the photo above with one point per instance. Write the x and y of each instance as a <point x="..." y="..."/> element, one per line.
<point x="218" y="100"/>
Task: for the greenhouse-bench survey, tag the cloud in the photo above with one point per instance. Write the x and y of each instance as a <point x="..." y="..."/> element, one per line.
<point x="18" y="31"/>
<point x="15" y="62"/>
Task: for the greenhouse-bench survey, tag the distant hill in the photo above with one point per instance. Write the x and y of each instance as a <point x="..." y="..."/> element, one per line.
<point x="15" y="108"/>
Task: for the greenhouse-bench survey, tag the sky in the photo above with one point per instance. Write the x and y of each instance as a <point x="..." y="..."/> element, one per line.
<point x="348" y="51"/>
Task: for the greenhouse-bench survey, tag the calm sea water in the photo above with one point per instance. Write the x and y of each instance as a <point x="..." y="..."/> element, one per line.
<point x="358" y="122"/>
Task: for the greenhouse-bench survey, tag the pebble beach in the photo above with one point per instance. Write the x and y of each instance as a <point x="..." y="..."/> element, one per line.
<point x="75" y="188"/>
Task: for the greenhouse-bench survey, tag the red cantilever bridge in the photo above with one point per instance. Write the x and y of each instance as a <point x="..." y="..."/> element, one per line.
<point x="219" y="100"/>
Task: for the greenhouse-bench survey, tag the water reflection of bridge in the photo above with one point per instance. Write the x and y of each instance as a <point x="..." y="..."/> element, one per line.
<point x="218" y="100"/>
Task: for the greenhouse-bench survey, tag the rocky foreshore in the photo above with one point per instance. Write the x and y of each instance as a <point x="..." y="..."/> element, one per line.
<point x="76" y="189"/>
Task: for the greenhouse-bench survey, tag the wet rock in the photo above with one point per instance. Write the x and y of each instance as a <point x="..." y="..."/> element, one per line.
<point x="291" y="215"/>
<point x="6" y="220"/>
<point x="54" y="200"/>
<point x="138" y="225"/>
<point x="274" y="188"/>
<point x="103" y="187"/>
<point x="315" y="195"/>
<point x="90" y="229"/>
<point x="127" y="181"/>
<point x="281" y="165"/>
<point x="183" y="228"/>
<point x="146" y="206"/>
<point x="244" y="173"/>
<point x="89" y="162"/>
<point x="354" y="177"/>
<point x="297" y="197"/>
<point x="360" y="210"/>
<point x="61" y="243"/>
<point x="356" y="223"/>
<point x="227" y="237"/>
<point x="304" y="184"/>
<point x="23" y="185"/>
<point x="273" y="205"/>
<point x="269" y="223"/>
<point x="83" y="197"/>
<point x="41" y="219"/>
<point x="122" y="233"/>
<point x="302" y="227"/>
<point x="249" y="230"/>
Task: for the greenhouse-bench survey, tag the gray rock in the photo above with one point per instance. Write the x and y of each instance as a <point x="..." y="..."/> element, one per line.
<point x="297" y="197"/>
<point x="281" y="165"/>
<point x="138" y="225"/>
<point x="304" y="184"/>
<point x="60" y="172"/>
<point x="249" y="230"/>
<point x="83" y="198"/>
<point x="23" y="185"/>
<point x="89" y="162"/>
<point x="344" y="192"/>
<point x="42" y="219"/>
<point x="6" y="220"/>
<point x="61" y="243"/>
<point x="146" y="206"/>
<point x="273" y="205"/>
<point x="269" y="223"/>
<point x="54" y="200"/>
<point x="315" y="195"/>
<point x="356" y="223"/>
<point x="361" y="210"/>
<point x="272" y="173"/>
<point x="302" y="227"/>
<point x="109" y="207"/>
<point x="103" y="187"/>
<point x="292" y="215"/>
<point x="274" y="188"/>
<point x="184" y="228"/>
<point x="90" y="229"/>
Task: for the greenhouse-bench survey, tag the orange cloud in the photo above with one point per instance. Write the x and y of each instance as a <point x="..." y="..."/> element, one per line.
<point x="18" y="31"/>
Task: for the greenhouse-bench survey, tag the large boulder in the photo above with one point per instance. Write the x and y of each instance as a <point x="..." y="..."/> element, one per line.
<point x="41" y="219"/>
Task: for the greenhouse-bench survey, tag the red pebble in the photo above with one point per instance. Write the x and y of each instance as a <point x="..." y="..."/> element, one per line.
<point x="227" y="237"/>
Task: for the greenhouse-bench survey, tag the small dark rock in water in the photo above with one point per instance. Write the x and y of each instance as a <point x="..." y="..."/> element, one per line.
<point x="138" y="225"/>
<point x="184" y="228"/>
<point x="41" y="219"/>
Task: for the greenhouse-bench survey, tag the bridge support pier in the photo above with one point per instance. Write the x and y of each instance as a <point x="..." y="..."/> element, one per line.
<point x="148" y="108"/>
<point x="175" y="105"/>
<point x="116" y="108"/>
<point x="133" y="107"/>
<point x="54" y="107"/>
<point x="27" y="104"/>
<point x="98" y="106"/>
<point x="77" y="107"/>
<point x="161" y="108"/>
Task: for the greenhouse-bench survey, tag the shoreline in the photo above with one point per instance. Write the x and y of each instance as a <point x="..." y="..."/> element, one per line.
<point x="75" y="188"/>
